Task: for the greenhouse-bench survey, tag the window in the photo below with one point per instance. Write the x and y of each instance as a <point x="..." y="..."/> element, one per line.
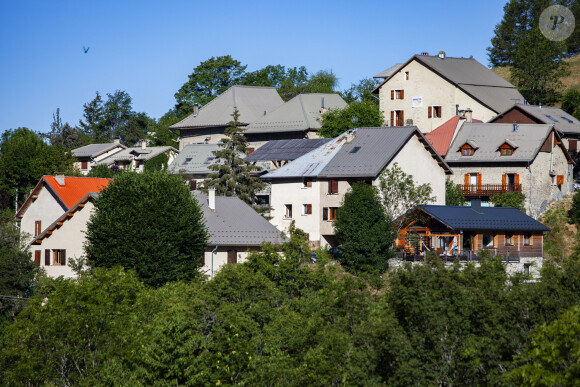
<point x="467" y="150"/>
<point x="288" y="211"/>
<point x="187" y="161"/>
<point x="527" y="239"/>
<point x="193" y="185"/>
<point x="37" y="257"/>
<point x="573" y="146"/>
<point x="355" y="149"/>
<point x="333" y="187"/>
<point x="306" y="183"/>
<point x="37" y="228"/>
<point x="506" y="150"/>
<point x="397" y="118"/>
<point x="232" y="256"/>
<point x="552" y="118"/>
<point x="59" y="257"/>
<point x="488" y="240"/>
<point x="567" y="119"/>
<point x="329" y="213"/>
<point x="406" y="75"/>
<point x="509" y="239"/>
<point x="398" y="94"/>
<point x="209" y="160"/>
<point x="84" y="165"/>
<point x="526" y="268"/>
<point x="434" y="111"/>
<point x="307" y="209"/>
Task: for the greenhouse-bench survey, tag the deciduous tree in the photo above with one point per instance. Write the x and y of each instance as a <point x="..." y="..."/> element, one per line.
<point x="356" y="115"/>
<point x="453" y="194"/>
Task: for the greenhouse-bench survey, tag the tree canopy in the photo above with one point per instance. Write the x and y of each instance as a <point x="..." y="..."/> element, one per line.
<point x="148" y="222"/>
<point x="356" y="115"/>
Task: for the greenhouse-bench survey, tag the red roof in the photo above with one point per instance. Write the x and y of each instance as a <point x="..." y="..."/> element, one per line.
<point x="69" y="194"/>
<point x="75" y="188"/>
<point x="441" y="137"/>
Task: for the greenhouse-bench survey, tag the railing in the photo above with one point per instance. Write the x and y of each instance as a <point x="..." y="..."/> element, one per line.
<point x="488" y="189"/>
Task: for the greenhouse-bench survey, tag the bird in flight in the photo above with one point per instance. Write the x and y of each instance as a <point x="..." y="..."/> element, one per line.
<point x="86" y="49"/>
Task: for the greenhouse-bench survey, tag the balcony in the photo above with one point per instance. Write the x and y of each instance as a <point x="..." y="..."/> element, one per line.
<point x="488" y="189"/>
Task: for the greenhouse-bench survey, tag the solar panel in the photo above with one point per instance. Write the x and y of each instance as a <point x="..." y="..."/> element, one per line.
<point x="552" y="118"/>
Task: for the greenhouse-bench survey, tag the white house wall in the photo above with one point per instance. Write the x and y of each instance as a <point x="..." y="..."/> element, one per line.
<point x="215" y="261"/>
<point x="45" y="208"/>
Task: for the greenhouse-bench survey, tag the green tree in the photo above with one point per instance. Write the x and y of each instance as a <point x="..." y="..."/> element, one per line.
<point x="322" y="82"/>
<point x="271" y="76"/>
<point x="574" y="212"/>
<point x="157" y="163"/>
<point x="64" y="134"/>
<point x="208" y="80"/>
<point x="94" y="120"/>
<point x="160" y="135"/>
<point x="509" y="199"/>
<point x="362" y="92"/>
<point x="571" y="102"/>
<point x="294" y="83"/>
<point x="453" y="194"/>
<point x="538" y="67"/>
<point x="117" y="114"/>
<point x="364" y="230"/>
<point x="232" y="175"/>
<point x="150" y="223"/>
<point x="138" y="128"/>
<point x="357" y="114"/>
<point x="103" y="170"/>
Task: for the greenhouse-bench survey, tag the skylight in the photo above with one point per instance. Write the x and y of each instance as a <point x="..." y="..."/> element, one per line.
<point x="567" y="119"/>
<point x="209" y="160"/>
<point x="187" y="161"/>
<point x="355" y="149"/>
<point x="552" y="118"/>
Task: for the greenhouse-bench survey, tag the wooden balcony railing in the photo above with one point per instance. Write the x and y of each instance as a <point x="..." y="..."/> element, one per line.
<point x="488" y="189"/>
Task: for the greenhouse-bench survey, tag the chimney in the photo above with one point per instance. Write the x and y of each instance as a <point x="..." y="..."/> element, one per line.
<point x="540" y="105"/>
<point x="59" y="179"/>
<point x="211" y="198"/>
<point x="116" y="141"/>
<point x="424" y="53"/>
<point x="350" y="135"/>
<point x="143" y="144"/>
<point x="322" y="108"/>
<point x="469" y="115"/>
<point x="476" y="204"/>
<point x="441" y="54"/>
<point x="195" y="109"/>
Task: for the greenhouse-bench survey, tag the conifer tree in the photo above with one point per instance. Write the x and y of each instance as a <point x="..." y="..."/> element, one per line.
<point x="231" y="174"/>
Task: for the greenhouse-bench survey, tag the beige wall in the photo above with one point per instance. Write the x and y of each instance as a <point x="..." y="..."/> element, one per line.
<point x="220" y="257"/>
<point x="197" y="136"/>
<point x="45" y="208"/>
<point x="71" y="237"/>
<point x="95" y="161"/>
<point x="433" y="90"/>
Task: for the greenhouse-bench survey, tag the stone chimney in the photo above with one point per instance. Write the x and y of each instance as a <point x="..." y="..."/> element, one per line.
<point x="143" y="144"/>
<point x="441" y="54"/>
<point x="211" y="198"/>
<point x="350" y="135"/>
<point x="59" y="179"/>
<point x="322" y="108"/>
<point x="469" y="115"/>
<point x="195" y="109"/>
<point x="116" y="141"/>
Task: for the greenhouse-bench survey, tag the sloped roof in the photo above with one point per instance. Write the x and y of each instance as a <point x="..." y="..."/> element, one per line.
<point x="472" y="77"/>
<point x="365" y="155"/>
<point x="234" y="223"/>
<point x="94" y="150"/>
<point x="490" y="218"/>
<point x="251" y="101"/>
<point x="74" y="189"/>
<point x="388" y="72"/>
<point x="489" y="137"/>
<point x="138" y="153"/>
<point x="281" y="150"/>
<point x="193" y="158"/>
<point x="441" y="137"/>
<point x="301" y="113"/>
<point x="551" y="115"/>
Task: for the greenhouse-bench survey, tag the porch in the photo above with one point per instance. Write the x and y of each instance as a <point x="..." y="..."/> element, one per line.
<point x="488" y="189"/>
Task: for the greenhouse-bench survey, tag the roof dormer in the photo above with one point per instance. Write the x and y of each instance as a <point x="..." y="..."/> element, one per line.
<point x="469" y="148"/>
<point x="507" y="148"/>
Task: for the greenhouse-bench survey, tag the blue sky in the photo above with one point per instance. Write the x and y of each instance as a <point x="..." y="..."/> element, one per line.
<point x="148" y="48"/>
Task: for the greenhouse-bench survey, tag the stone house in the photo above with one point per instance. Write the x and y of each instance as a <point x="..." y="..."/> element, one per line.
<point x="426" y="91"/>
<point x="310" y="189"/>
<point x="89" y="156"/>
<point x="491" y="159"/>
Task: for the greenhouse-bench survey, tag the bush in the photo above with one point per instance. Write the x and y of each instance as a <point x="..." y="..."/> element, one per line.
<point x="453" y="194"/>
<point x="574" y="213"/>
<point x="509" y="199"/>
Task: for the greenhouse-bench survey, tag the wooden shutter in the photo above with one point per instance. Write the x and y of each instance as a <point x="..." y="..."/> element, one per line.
<point x="517" y="180"/>
<point x="47" y="257"/>
<point x="573" y="145"/>
<point x="392" y="94"/>
<point x="333" y="186"/>
<point x="37" y="257"/>
<point x="232" y="256"/>
<point x="560" y="180"/>
<point x="440" y="111"/>
<point x="63" y="257"/>
<point x="84" y="165"/>
<point x="467" y="179"/>
<point x="193" y="185"/>
<point x="402" y="94"/>
<point x="392" y="118"/>
<point x="402" y="118"/>
<point x="503" y="180"/>
<point x="479" y="179"/>
<point x="325" y="213"/>
<point x="309" y="209"/>
<point x="429" y="111"/>
<point x="309" y="183"/>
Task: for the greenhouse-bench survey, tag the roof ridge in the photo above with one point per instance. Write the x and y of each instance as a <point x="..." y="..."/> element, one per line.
<point x="304" y="110"/>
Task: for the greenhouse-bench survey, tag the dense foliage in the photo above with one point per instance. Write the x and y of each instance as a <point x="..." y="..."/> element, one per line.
<point x="148" y="222"/>
<point x="157" y="163"/>
<point x="509" y="199"/>
<point x="453" y="194"/>
<point x="574" y="213"/>
<point x="356" y="115"/>
<point x="571" y="102"/>
<point x="364" y="230"/>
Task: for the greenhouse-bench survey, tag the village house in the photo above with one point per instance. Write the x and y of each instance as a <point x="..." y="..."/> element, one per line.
<point x="310" y="189"/>
<point x="426" y="91"/>
<point x="299" y="118"/>
<point x="280" y="152"/>
<point x="134" y="158"/>
<point x="491" y="159"/>
<point x="89" y="156"/>
<point x="442" y="136"/>
<point x="464" y="233"/>
<point x="207" y="125"/>
<point x="193" y="163"/>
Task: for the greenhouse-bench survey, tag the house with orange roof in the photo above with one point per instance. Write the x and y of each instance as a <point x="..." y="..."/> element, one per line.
<point x="442" y="136"/>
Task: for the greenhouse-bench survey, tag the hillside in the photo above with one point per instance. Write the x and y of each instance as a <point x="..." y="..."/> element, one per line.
<point x="571" y="81"/>
<point x="561" y="241"/>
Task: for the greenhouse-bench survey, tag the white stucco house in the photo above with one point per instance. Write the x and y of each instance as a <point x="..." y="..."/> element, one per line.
<point x="89" y="156"/>
<point x="310" y="189"/>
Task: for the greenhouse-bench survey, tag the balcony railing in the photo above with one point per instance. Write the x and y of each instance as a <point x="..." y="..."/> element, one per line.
<point x="488" y="189"/>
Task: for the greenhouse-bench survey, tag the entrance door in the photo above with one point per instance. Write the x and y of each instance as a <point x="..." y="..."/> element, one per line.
<point x="473" y="182"/>
<point x="511" y="181"/>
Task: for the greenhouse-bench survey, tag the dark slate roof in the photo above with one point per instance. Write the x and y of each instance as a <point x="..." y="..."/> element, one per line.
<point x="194" y="158"/>
<point x="234" y="223"/>
<point x="562" y="121"/>
<point x="94" y="150"/>
<point x="281" y="150"/>
<point x="490" y="218"/>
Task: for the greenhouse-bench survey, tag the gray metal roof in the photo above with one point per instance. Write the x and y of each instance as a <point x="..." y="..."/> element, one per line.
<point x="490" y="218"/>
<point x="551" y="115"/>
<point x="496" y="98"/>
<point x="137" y="153"/>
<point x="301" y="113"/>
<point x="489" y="137"/>
<point x="234" y="223"/>
<point x="251" y="101"/>
<point x="94" y="150"/>
<point x="366" y="155"/>
<point x="388" y="72"/>
<point x="194" y="158"/>
<point x="281" y="150"/>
